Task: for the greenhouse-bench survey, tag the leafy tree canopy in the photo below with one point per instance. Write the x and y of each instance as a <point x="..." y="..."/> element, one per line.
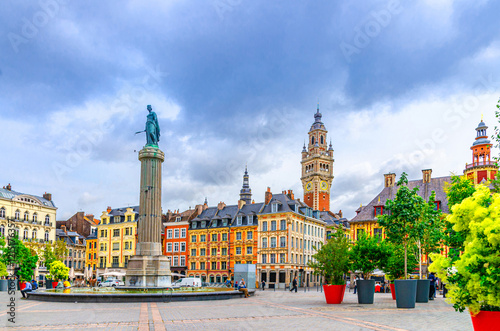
<point x="369" y="253"/>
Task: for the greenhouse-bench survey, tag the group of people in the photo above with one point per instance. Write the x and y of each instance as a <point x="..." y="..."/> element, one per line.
<point x="33" y="285"/>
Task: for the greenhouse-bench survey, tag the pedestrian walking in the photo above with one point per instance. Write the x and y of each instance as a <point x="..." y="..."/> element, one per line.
<point x="432" y="289"/>
<point x="294" y="285"/>
<point x="355" y="281"/>
<point x="263" y="285"/>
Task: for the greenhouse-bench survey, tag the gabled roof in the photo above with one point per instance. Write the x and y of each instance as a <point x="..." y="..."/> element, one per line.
<point x="123" y="210"/>
<point x="389" y="193"/>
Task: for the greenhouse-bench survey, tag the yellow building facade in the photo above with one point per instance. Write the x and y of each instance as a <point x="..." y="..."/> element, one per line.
<point x="91" y="256"/>
<point x="31" y="217"/>
<point x="116" y="239"/>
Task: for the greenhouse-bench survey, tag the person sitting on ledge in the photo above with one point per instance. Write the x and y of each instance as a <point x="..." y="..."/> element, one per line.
<point x="242" y="288"/>
<point x="28" y="288"/>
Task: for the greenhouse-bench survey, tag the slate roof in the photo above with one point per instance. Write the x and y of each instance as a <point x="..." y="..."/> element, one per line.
<point x="92" y="236"/>
<point x="7" y="194"/>
<point x="436" y="184"/>
<point x="252" y="209"/>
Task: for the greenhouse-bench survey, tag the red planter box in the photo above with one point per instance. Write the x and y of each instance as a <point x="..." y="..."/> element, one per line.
<point x="486" y="320"/>
<point x="334" y="294"/>
<point x="22" y="285"/>
<point x="393" y="291"/>
<point x="54" y="284"/>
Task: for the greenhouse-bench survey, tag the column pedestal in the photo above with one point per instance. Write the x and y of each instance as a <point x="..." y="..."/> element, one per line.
<point x="149" y="268"/>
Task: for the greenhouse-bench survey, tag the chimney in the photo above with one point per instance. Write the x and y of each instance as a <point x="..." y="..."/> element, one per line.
<point x="426" y="174"/>
<point x="241" y="203"/>
<point x="109" y="209"/>
<point x="8" y="187"/>
<point x="290" y="195"/>
<point x="390" y="179"/>
<point x="90" y="217"/>
<point x="268" y="195"/>
<point x="221" y="205"/>
<point x="47" y="196"/>
<point x="340" y="213"/>
<point x="63" y="227"/>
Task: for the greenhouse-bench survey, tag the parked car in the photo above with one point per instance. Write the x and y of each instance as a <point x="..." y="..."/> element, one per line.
<point x="111" y="282"/>
<point x="188" y="282"/>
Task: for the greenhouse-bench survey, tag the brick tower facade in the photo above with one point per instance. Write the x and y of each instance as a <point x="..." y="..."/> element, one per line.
<point x="317" y="167"/>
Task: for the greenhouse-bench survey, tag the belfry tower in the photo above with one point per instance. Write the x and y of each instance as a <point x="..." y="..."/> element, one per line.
<point x="317" y="167"/>
<point x="246" y="191"/>
<point x="482" y="168"/>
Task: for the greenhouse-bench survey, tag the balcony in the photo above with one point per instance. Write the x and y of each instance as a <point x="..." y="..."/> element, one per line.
<point x="479" y="164"/>
<point x="115" y="265"/>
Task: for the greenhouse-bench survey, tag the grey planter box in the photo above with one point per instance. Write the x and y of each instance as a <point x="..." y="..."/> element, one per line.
<point x="406" y="293"/>
<point x="4" y="285"/>
<point x="423" y="286"/>
<point x="366" y="291"/>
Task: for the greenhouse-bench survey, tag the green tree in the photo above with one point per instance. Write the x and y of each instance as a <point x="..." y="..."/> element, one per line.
<point x="55" y="252"/>
<point x="367" y="254"/>
<point x="403" y="223"/>
<point x="3" y="270"/>
<point x="431" y="230"/>
<point x="18" y="255"/>
<point x="332" y="260"/>
<point x="395" y="266"/>
<point x="58" y="270"/>
<point x="473" y="279"/>
<point x="496" y="137"/>
<point x="459" y="189"/>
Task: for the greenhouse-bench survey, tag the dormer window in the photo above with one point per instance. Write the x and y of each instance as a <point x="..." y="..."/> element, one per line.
<point x="203" y="224"/>
<point x="437" y="205"/>
<point x="178" y="219"/>
<point x="214" y="224"/>
<point x="193" y="225"/>
<point x="274" y="208"/>
<point x="116" y="219"/>
<point x="379" y="210"/>
<point x="250" y="219"/>
<point x="239" y="220"/>
<point x="224" y="222"/>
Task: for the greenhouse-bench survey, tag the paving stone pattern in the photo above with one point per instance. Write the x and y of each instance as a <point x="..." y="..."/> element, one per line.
<point x="267" y="310"/>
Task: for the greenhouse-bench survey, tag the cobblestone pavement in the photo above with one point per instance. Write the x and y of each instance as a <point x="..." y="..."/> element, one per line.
<point x="280" y="310"/>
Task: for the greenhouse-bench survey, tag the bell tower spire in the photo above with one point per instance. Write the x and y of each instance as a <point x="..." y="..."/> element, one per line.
<point x="482" y="168"/>
<point x="246" y="191"/>
<point x="317" y="166"/>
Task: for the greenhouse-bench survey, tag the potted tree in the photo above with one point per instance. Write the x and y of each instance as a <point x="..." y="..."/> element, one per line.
<point x="472" y="279"/>
<point x="58" y="271"/>
<point x="332" y="262"/>
<point x="3" y="280"/>
<point x="402" y="227"/>
<point x="395" y="266"/>
<point x="365" y="256"/>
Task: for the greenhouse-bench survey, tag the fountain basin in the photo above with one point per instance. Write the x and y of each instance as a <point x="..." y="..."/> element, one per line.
<point x="136" y="295"/>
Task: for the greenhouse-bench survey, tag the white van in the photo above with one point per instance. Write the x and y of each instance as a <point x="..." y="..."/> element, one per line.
<point x="188" y="282"/>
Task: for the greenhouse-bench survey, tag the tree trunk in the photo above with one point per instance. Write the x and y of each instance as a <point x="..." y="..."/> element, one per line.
<point x="420" y="259"/>
<point x="406" y="275"/>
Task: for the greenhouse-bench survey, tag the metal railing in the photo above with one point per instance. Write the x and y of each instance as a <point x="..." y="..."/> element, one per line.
<point x="482" y="163"/>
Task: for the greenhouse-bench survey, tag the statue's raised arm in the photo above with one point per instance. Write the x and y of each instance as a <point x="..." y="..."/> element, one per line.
<point x="152" y="128"/>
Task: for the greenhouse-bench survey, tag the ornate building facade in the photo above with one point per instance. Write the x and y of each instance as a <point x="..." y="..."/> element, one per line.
<point x="288" y="231"/>
<point x="116" y="239"/>
<point x="32" y="217"/>
<point x="317" y="167"/>
<point x="482" y="169"/>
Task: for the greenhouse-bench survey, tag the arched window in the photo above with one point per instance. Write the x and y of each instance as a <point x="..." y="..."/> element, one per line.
<point x="312" y="140"/>
<point x="25" y="233"/>
<point x="17" y="232"/>
<point x="2" y="231"/>
<point x="35" y="217"/>
<point x="47" y="220"/>
<point x="33" y="234"/>
<point x="26" y="216"/>
<point x="2" y="212"/>
<point x="17" y="214"/>
<point x="321" y="139"/>
<point x="46" y="236"/>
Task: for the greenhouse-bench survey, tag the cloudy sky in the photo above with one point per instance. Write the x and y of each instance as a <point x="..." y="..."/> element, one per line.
<point x="401" y="87"/>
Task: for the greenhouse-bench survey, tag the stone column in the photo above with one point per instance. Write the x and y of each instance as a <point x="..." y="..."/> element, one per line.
<point x="149" y="226"/>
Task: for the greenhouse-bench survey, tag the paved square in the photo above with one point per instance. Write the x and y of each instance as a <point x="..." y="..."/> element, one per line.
<point x="267" y="310"/>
